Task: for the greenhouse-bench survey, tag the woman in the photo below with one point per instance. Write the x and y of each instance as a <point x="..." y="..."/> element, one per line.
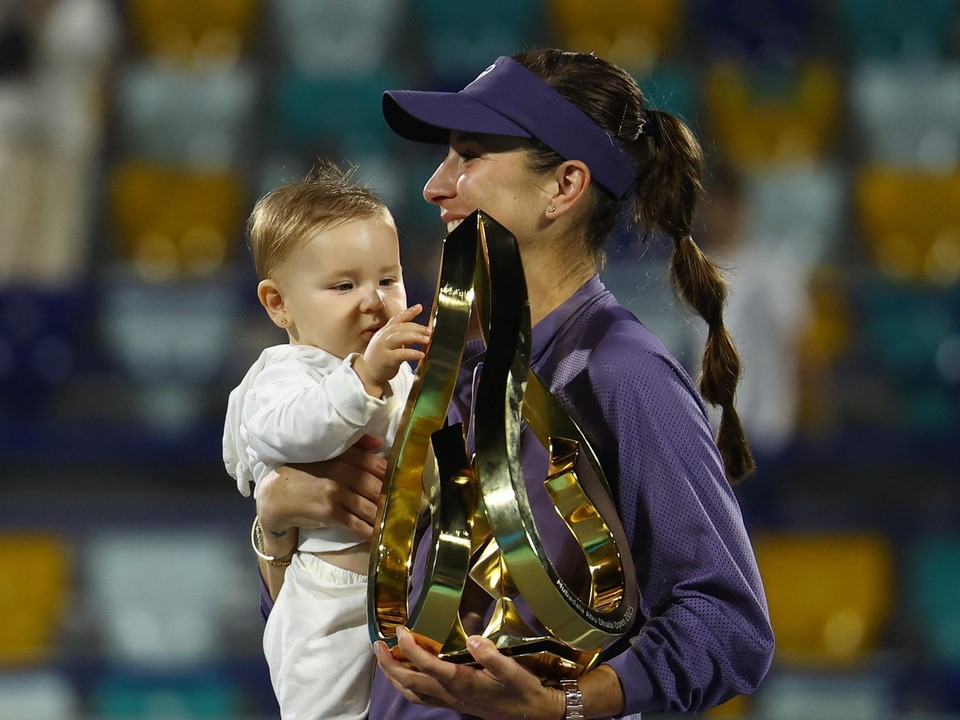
<point x="557" y="146"/>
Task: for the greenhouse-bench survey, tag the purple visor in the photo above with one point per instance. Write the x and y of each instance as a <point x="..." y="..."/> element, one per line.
<point x="507" y="99"/>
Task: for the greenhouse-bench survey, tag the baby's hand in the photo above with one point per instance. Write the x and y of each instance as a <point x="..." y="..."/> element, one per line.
<point x="389" y="348"/>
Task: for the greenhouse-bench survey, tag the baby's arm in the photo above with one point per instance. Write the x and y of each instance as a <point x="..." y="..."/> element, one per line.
<point x="389" y="348"/>
<point x="295" y="415"/>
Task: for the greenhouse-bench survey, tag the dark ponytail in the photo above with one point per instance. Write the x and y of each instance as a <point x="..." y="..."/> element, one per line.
<point x="669" y="184"/>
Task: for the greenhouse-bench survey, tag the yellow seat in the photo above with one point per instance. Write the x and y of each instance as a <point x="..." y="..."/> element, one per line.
<point x="632" y="34"/>
<point x="829" y="594"/>
<point x="187" y="30"/>
<point x="774" y="121"/>
<point x="910" y="222"/>
<point x="170" y="222"/>
<point x="34" y="586"/>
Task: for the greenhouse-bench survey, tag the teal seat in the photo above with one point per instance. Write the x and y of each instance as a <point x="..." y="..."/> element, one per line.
<point x="190" y="695"/>
<point x="906" y="331"/>
<point x="333" y="115"/>
<point x="932" y="589"/>
<point x="898" y="29"/>
<point x="461" y="37"/>
<point x="673" y="87"/>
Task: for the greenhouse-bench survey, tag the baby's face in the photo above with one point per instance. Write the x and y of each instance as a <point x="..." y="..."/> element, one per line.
<point x="343" y="285"/>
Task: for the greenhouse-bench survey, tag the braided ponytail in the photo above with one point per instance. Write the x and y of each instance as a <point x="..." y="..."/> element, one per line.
<point x="670" y="187"/>
<point x="669" y="171"/>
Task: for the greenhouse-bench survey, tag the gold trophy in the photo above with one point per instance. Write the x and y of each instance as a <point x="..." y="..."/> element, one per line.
<point x="487" y="571"/>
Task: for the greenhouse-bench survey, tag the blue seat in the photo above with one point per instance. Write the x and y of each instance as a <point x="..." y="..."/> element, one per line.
<point x="39" y="344"/>
<point x="761" y="32"/>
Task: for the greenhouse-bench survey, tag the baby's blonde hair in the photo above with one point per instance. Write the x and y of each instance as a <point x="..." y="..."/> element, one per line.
<point x="286" y="218"/>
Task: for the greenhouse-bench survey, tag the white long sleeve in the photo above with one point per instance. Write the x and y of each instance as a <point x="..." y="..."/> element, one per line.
<point x="301" y="404"/>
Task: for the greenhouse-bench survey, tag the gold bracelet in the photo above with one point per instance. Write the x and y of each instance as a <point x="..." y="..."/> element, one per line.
<point x="256" y="541"/>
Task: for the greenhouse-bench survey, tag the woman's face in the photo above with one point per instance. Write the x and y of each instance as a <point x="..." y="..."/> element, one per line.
<point x="490" y="173"/>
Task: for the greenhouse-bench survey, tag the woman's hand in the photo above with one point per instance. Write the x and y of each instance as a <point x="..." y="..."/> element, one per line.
<point x="499" y="688"/>
<point x="341" y="492"/>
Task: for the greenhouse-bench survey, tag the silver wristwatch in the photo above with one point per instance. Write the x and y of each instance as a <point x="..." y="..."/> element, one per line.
<point x="574" y="699"/>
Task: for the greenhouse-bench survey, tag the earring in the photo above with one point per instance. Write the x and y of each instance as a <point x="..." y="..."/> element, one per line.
<point x="283" y="321"/>
<point x="551" y="208"/>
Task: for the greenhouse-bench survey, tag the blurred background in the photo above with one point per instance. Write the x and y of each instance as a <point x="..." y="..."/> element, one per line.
<point x="135" y="136"/>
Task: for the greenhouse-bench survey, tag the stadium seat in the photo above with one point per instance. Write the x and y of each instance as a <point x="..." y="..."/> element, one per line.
<point x="829" y="595"/>
<point x="38" y="695"/>
<point x="898" y="30"/>
<point x="779" y="118"/>
<point x="812" y="219"/>
<point x="186" y="31"/>
<point x="909" y="220"/>
<point x="332" y="115"/>
<point x="632" y="34"/>
<point x="459" y="38"/>
<point x="156" y="611"/>
<point x="169" y="221"/>
<point x="332" y="37"/>
<point x="674" y="87"/>
<point x="35" y="582"/>
<point x="199" y="117"/>
<point x="754" y="31"/>
<point x="907" y="115"/>
<point x="932" y="588"/>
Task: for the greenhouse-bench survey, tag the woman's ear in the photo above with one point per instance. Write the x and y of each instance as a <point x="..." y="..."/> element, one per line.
<point x="573" y="179"/>
<point x="268" y="291"/>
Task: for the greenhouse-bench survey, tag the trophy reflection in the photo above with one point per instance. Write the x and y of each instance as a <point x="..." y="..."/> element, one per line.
<point x="485" y="569"/>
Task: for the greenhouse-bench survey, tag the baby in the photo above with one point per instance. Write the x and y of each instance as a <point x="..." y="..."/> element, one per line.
<point x="326" y="253"/>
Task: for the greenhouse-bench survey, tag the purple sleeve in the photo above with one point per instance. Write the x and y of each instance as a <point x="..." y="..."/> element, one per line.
<point x="706" y="634"/>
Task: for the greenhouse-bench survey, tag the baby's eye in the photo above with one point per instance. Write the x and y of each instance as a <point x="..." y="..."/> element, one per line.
<point x="388" y="281"/>
<point x="343" y="287"/>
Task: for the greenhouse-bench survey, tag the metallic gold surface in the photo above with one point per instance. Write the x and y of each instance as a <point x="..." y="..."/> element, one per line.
<point x="484" y="547"/>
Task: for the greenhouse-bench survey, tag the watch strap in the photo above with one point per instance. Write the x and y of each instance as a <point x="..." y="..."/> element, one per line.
<point x="573" y="698"/>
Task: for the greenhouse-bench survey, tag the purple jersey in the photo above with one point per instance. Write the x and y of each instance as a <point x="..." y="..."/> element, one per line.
<point x="703" y="634"/>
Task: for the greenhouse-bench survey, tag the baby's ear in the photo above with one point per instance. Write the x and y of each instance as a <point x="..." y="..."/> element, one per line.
<point x="268" y="291"/>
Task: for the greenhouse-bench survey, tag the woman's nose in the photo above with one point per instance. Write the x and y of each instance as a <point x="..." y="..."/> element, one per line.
<point x="441" y="185"/>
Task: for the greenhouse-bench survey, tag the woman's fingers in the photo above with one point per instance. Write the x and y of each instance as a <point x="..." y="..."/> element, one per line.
<point x="420" y="679"/>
